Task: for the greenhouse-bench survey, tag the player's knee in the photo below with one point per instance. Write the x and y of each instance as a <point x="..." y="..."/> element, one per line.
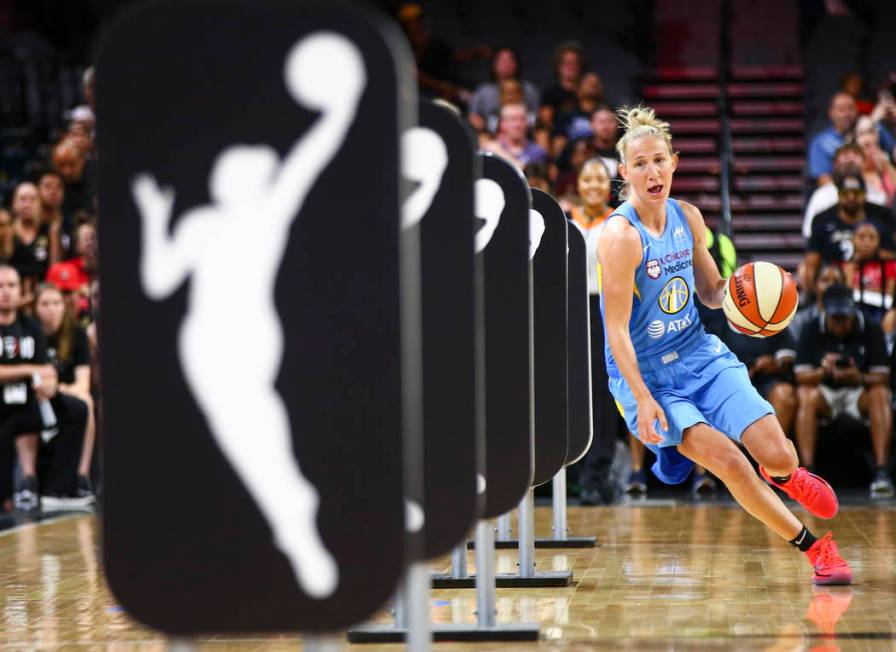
<point x="780" y="456"/>
<point x="732" y="465"/>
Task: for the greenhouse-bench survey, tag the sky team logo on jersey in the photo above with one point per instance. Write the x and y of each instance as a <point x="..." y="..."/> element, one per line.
<point x="653" y="268"/>
<point x="656" y="329"/>
<point x="678" y="233"/>
<point x="674" y="296"/>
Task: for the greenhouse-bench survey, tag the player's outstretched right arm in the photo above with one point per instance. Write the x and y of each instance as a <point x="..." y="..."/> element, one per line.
<point x="164" y="260"/>
<point x="620" y="253"/>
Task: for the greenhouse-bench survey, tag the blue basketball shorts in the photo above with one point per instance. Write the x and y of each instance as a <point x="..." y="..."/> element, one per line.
<point x="702" y="383"/>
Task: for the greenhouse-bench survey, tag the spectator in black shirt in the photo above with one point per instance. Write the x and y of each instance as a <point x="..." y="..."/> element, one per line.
<point x="77" y="173"/>
<point x="831" y="239"/>
<point x="68" y="350"/>
<point x="31" y="257"/>
<point x="842" y="368"/>
<point x="561" y="97"/>
<point x="51" y="191"/>
<point x="26" y="379"/>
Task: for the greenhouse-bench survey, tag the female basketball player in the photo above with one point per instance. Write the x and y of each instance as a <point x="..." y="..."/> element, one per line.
<point x="680" y="389"/>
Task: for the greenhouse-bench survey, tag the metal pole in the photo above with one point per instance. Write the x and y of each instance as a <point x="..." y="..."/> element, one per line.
<point x="416" y="590"/>
<point x="504" y="530"/>
<point x="527" y="535"/>
<point x="459" y="561"/>
<point x="485" y="574"/>
<point x="559" y="507"/>
<point x="322" y="643"/>
<point x="401" y="606"/>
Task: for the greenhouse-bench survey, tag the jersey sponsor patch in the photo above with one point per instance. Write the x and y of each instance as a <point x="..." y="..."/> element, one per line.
<point x="674" y="296"/>
<point x="656" y="329"/>
<point x="653" y="268"/>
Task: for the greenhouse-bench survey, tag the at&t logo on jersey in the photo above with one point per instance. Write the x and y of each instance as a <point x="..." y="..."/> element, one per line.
<point x="678" y="325"/>
<point x="657" y="328"/>
<point x="653" y="268"/>
<point x="674" y="296"/>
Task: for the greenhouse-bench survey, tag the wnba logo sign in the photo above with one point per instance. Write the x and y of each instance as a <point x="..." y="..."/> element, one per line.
<point x="674" y="296"/>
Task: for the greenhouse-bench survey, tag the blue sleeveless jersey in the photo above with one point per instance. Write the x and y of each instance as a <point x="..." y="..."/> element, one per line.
<point x="664" y="318"/>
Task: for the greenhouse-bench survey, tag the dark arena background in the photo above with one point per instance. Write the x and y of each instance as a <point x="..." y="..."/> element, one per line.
<point x="302" y="339"/>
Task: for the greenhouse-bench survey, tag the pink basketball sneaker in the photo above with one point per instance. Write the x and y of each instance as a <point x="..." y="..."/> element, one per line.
<point x="830" y="567"/>
<point x="810" y="491"/>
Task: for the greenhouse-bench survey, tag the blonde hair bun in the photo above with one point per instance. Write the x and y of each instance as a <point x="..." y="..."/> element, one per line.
<point x="640" y="121"/>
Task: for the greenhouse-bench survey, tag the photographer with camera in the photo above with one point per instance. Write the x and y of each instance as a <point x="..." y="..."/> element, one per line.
<point x="842" y="368"/>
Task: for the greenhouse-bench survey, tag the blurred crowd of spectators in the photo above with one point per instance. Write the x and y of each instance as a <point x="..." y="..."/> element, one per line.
<point x="48" y="297"/>
<point x="549" y="132"/>
<point x="832" y="365"/>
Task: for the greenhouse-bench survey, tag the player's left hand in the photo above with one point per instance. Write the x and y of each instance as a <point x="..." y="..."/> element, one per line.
<point x="649" y="413"/>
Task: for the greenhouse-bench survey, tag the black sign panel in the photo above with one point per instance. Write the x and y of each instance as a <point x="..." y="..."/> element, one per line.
<point x="251" y="330"/>
<point x="548" y="247"/>
<point x="502" y="208"/>
<point x="439" y="157"/>
<point x="579" y="347"/>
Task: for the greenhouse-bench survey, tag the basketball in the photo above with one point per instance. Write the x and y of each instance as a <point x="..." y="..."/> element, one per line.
<point x="760" y="299"/>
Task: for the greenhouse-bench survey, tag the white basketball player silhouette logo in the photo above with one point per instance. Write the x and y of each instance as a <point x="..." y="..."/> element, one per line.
<point x="324" y="72"/>
<point x="489" y="206"/>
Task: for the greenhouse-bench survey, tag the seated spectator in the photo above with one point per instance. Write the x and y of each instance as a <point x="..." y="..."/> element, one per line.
<point x="853" y="84"/>
<point x="513" y="141"/>
<point x="831" y="240"/>
<point x="871" y="278"/>
<point x="74" y="284"/>
<point x="7" y="237"/>
<point x="486" y="101"/>
<point x="827" y="276"/>
<point x="51" y="190"/>
<point x="842" y="114"/>
<point x="511" y="92"/>
<point x="878" y="172"/>
<point x="70" y="162"/>
<point x="573" y="123"/>
<point x="601" y="142"/>
<point x="849" y="157"/>
<point x="568" y="67"/>
<point x="571" y="162"/>
<point x="68" y="351"/>
<point x="769" y="362"/>
<point x="27" y="379"/>
<point x="31" y="256"/>
<point x="842" y="368"/>
<point x="436" y="60"/>
<point x="537" y="176"/>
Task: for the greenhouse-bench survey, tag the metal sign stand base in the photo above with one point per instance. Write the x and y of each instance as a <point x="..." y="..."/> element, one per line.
<point x="527" y="577"/>
<point x="560" y="538"/>
<point x="485" y="629"/>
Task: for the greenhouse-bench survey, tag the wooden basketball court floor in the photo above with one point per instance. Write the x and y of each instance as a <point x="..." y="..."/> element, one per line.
<point x="667" y="575"/>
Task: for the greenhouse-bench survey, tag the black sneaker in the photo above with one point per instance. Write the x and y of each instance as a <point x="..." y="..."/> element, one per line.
<point x="882" y="486"/>
<point x="26" y="496"/>
<point x="85" y="489"/>
<point x="702" y="484"/>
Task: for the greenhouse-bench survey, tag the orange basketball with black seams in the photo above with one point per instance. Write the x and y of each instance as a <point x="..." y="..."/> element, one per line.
<point x="760" y="299"/>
